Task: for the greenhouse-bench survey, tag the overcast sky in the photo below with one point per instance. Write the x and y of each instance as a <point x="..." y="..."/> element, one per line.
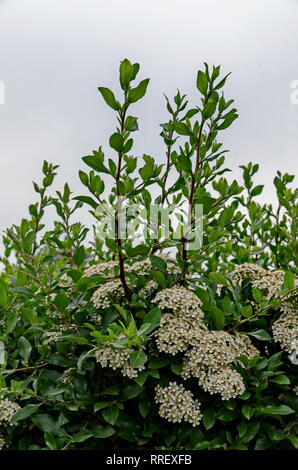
<point x="55" y="53"/>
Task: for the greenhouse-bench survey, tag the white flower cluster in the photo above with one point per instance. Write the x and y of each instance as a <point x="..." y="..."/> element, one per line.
<point x="105" y="269"/>
<point x="182" y="327"/>
<point x="112" y="291"/>
<point x="271" y="281"/>
<point x="107" y="294"/>
<point x="143" y="267"/>
<point x="7" y="410"/>
<point x="248" y="271"/>
<point x="52" y="336"/>
<point x="261" y="278"/>
<point x="175" y="333"/>
<point x="212" y="353"/>
<point x="182" y="301"/>
<point x="210" y="359"/>
<point x="285" y="328"/>
<point x="177" y="404"/>
<point x="296" y="390"/>
<point x="117" y="358"/>
<point x="285" y="331"/>
<point x="227" y="382"/>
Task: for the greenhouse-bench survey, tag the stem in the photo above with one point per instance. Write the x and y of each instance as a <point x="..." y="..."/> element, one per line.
<point x="165" y="177"/>
<point x="38" y="219"/>
<point x="193" y="188"/>
<point x="118" y="241"/>
<point x="277" y="235"/>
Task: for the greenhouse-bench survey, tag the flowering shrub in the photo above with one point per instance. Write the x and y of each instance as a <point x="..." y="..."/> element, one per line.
<point x="123" y="343"/>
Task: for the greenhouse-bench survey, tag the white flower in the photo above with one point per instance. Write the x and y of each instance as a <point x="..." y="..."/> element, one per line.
<point x="177" y="404"/>
<point x="117" y="358"/>
<point x="7" y="410"/>
<point x="180" y="300"/>
<point x="285" y="331"/>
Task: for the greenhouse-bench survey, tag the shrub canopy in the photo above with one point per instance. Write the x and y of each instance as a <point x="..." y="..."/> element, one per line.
<point x="183" y="339"/>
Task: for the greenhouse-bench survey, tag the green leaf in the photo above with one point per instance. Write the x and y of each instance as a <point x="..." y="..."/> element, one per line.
<point x="142" y="377"/>
<point x="226" y="216"/>
<point x="274" y="410"/>
<point x="79" y="256"/>
<point x="3" y="296"/>
<point x="247" y="411"/>
<point x="2" y="380"/>
<point x="82" y="435"/>
<point x="131" y="124"/>
<point x="137" y="359"/>
<point x="247" y="311"/>
<point x="135" y="94"/>
<point x="275" y="361"/>
<point x="289" y="280"/>
<point x="131" y="391"/>
<point x="181" y="128"/>
<point x="100" y="405"/>
<point x="116" y="142"/>
<point x="125" y="74"/>
<point x="159" y="277"/>
<point x="74" y="339"/>
<point x="294" y="441"/>
<point x="25" y="348"/>
<point x="87" y="200"/>
<point x="218" y="317"/>
<point x="252" y="430"/>
<point x="111" y="414"/>
<point x="158" y="363"/>
<point x="219" y="278"/>
<point x="210" y="106"/>
<point x="257" y="295"/>
<point x="24" y="412"/>
<point x="109" y="98"/>
<point x="261" y="335"/>
<point x="152" y="319"/>
<point x="281" y="380"/>
<point x="95" y="161"/>
<point x="102" y="432"/>
<point x="47" y="423"/>
<point x="229" y="118"/>
<point x="242" y="428"/>
<point x="184" y="163"/>
<point x="202" y="82"/>
<point x="257" y="190"/>
<point x="61" y="301"/>
<point x="222" y="82"/>
<point x="158" y="263"/>
<point x="50" y="441"/>
<point x="209" y="418"/>
<point x="202" y="445"/>
<point x="176" y="368"/>
<point x="144" y="407"/>
<point x="21" y="290"/>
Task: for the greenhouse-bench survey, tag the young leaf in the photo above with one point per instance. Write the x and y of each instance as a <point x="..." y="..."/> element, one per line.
<point x="135" y="94"/>
<point x="109" y="98"/>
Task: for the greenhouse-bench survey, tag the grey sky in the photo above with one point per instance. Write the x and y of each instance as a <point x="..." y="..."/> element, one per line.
<point x="54" y="54"/>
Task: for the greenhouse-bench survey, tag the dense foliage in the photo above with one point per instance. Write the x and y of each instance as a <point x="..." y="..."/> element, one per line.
<point x="124" y="343"/>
